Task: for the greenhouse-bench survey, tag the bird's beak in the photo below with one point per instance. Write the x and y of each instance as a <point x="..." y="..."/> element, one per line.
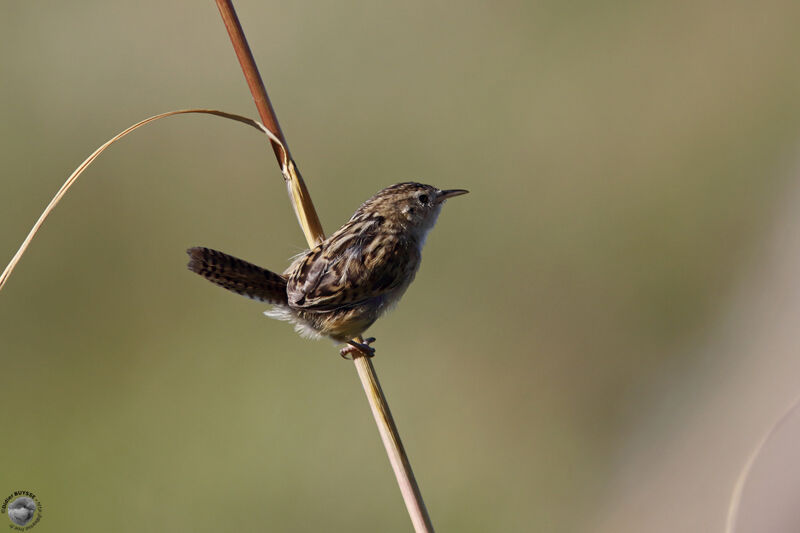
<point x="441" y="196"/>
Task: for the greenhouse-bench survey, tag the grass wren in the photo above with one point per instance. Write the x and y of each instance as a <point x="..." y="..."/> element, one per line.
<point x="342" y="285"/>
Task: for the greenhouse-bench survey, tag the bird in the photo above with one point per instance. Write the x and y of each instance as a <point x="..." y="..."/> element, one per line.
<point x="21" y="510"/>
<point x="340" y="287"/>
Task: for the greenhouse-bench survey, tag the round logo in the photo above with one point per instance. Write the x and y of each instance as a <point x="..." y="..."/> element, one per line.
<point x="23" y="508"/>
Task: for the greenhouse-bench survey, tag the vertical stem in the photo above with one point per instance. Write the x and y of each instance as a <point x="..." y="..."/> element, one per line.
<point x="394" y="446"/>
<point x="251" y="74"/>
<point x="298" y="193"/>
<point x="312" y="229"/>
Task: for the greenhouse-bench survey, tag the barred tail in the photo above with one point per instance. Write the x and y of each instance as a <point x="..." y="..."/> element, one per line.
<point x="238" y="276"/>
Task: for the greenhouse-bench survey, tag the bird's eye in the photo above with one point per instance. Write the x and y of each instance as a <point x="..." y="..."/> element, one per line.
<point x="423" y="198"/>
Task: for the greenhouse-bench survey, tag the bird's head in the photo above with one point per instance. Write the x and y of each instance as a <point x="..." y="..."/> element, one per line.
<point x="411" y="206"/>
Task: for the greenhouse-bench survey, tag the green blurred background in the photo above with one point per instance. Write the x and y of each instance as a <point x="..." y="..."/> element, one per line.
<point x="626" y="162"/>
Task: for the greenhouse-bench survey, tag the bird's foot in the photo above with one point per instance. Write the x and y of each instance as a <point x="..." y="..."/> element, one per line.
<point x="363" y="347"/>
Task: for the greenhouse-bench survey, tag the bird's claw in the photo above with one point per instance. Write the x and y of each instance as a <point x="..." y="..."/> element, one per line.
<point x="362" y="348"/>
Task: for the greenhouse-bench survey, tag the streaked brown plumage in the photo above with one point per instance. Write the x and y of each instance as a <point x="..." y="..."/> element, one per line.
<point x="341" y="286"/>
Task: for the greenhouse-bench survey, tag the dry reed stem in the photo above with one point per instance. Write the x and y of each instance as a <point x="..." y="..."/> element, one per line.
<point x="298" y="193"/>
<point x="394" y="446"/>
<point x="88" y="161"/>
<point x="312" y="228"/>
<point x="738" y="489"/>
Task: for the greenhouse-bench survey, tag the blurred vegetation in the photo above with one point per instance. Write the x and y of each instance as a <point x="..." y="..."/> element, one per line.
<point x="624" y="160"/>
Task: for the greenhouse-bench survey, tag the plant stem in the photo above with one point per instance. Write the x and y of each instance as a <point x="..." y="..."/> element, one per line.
<point x="312" y="228"/>
<point x="251" y="74"/>
<point x="394" y="446"/>
<point x="298" y="193"/>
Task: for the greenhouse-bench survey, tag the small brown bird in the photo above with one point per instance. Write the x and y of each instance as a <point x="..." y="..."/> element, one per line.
<point x="341" y="286"/>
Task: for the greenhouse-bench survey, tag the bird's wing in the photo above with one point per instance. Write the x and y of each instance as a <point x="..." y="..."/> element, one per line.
<point x="356" y="264"/>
